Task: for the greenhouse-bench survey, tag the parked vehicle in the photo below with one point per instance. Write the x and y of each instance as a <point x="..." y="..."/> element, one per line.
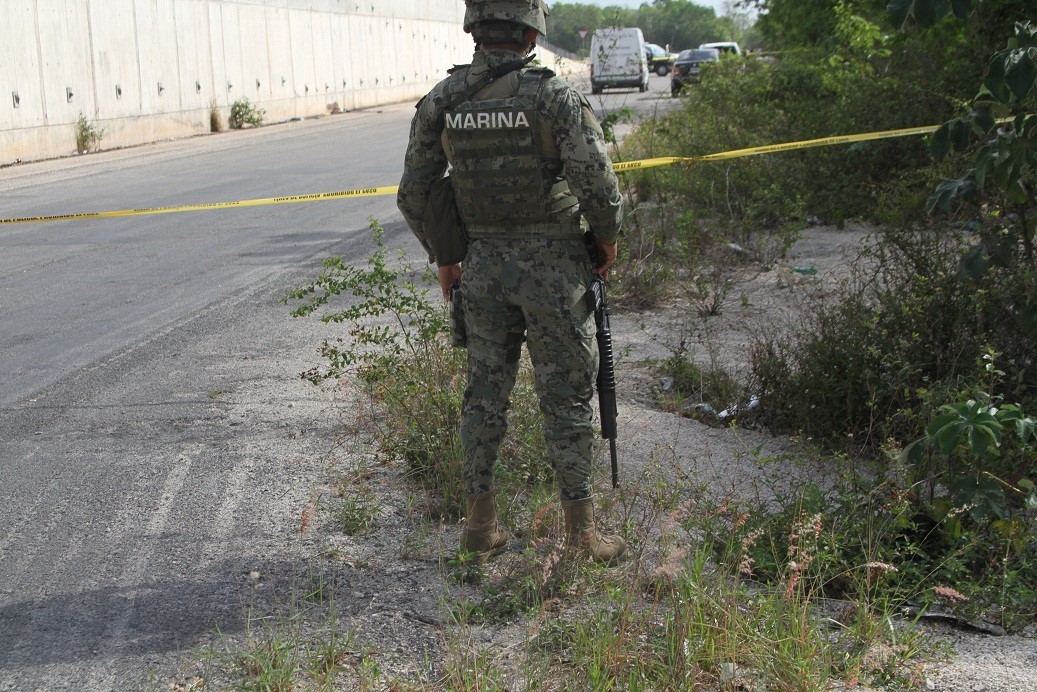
<point x="688" y="66"/>
<point x="725" y="47"/>
<point x="660" y="60"/>
<point x="618" y="59"/>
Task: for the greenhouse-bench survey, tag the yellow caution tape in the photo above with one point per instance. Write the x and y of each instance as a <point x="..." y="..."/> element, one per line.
<point x="363" y="192"/>
<point x="772" y="148"/>
<point x="619" y="167"/>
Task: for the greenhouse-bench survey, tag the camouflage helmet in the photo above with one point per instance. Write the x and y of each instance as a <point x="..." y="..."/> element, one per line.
<point x="531" y="14"/>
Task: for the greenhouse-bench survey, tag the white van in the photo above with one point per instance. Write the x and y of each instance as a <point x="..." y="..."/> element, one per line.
<point x="618" y="59"/>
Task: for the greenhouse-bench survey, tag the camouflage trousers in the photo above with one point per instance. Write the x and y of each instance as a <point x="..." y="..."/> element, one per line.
<point x="530" y="289"/>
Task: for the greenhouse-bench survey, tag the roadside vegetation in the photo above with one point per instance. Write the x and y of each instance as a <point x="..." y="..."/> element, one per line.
<point x="916" y="380"/>
<point x="243" y="113"/>
<point x="679" y="24"/>
<point x="919" y="374"/>
<point x="88" y="135"/>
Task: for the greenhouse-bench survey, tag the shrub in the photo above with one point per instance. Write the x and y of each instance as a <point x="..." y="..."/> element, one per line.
<point x="741" y="104"/>
<point x="399" y="349"/>
<point x="88" y="135"/>
<point x="876" y="543"/>
<point x="243" y="112"/>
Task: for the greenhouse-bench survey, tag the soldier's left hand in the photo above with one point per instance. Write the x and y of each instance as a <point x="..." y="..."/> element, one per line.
<point x="449" y="275"/>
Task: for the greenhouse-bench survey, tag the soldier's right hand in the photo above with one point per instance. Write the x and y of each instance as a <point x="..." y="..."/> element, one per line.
<point x="449" y="274"/>
<point x="606" y="258"/>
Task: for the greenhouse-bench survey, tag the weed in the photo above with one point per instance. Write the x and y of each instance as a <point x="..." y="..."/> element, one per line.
<point x="215" y="119"/>
<point x="243" y="112"/>
<point x="468" y="667"/>
<point x="370" y="676"/>
<point x="356" y="514"/>
<point x="399" y="350"/>
<point x="282" y="654"/>
<point x="692" y="391"/>
<point x="464" y="568"/>
<point x="325" y="656"/>
<point x="88" y="135"/>
<point x="267" y="663"/>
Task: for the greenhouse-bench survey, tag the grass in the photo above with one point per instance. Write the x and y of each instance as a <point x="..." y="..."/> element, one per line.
<point x="801" y="593"/>
<point x="682" y="615"/>
<point x="277" y="654"/>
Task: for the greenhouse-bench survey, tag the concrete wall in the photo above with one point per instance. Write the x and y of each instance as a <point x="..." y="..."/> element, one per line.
<point x="149" y="69"/>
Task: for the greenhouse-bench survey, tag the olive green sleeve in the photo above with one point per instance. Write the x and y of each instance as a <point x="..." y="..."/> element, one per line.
<point x="584" y="155"/>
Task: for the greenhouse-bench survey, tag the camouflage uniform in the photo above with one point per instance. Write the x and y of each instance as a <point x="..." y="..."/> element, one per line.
<point x="529" y="280"/>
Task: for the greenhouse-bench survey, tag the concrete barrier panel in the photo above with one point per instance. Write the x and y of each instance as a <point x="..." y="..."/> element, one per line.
<point x="341" y="49"/>
<point x="115" y="66"/>
<point x="21" y="77"/>
<point x="234" y="85"/>
<point x="217" y="49"/>
<point x="323" y="58"/>
<point x="149" y="69"/>
<point x="194" y="48"/>
<point x="302" y="54"/>
<point x="279" y="47"/>
<point x="64" y="39"/>
<point x="158" y="56"/>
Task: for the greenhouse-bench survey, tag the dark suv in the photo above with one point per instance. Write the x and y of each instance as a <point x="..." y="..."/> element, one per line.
<point x="689" y="65"/>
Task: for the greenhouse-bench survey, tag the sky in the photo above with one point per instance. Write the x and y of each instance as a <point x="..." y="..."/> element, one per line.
<point x="717" y="5"/>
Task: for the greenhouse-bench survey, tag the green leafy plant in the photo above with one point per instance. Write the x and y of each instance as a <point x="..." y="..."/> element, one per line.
<point x="694" y="391"/>
<point x="1003" y="116"/>
<point x="398" y="347"/>
<point x="243" y="112"/>
<point x="975" y="437"/>
<point x="88" y="135"/>
<point x="977" y="427"/>
<point x="464" y="568"/>
<point x="381" y="290"/>
<point x="356" y="515"/>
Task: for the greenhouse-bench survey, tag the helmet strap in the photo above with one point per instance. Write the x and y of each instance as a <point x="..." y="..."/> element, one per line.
<point x="530" y="37"/>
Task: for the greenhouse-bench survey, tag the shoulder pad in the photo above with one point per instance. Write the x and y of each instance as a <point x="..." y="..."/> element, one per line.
<point x="545" y="72"/>
<point x="417" y="105"/>
<point x="455" y="68"/>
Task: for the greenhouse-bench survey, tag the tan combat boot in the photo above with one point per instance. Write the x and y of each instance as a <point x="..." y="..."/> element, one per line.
<point x="483" y="534"/>
<point x="580" y="529"/>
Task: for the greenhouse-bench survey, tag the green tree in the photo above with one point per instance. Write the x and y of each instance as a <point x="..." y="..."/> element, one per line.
<point x="787" y="24"/>
<point x="998" y="131"/>
<point x="677" y="23"/>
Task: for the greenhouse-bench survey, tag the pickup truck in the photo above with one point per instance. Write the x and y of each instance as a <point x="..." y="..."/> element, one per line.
<point x="660" y="60"/>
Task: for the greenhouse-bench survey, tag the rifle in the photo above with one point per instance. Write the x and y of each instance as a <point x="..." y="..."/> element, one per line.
<point x="606" y="372"/>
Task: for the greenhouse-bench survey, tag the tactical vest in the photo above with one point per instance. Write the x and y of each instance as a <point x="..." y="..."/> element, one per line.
<point x="500" y="175"/>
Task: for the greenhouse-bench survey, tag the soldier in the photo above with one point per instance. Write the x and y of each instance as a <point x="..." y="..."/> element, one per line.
<point x="528" y="160"/>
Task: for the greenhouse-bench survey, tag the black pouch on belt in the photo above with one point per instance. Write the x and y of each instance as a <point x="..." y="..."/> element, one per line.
<point x="444" y="230"/>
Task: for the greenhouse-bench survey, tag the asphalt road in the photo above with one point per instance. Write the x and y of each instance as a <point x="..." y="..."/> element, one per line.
<point x="157" y="448"/>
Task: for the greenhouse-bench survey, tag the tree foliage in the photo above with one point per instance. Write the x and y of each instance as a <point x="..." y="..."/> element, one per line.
<point x="796" y="24"/>
<point x="678" y="23"/>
